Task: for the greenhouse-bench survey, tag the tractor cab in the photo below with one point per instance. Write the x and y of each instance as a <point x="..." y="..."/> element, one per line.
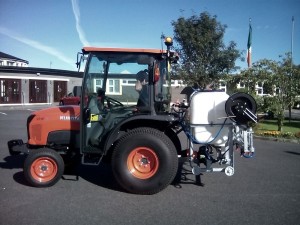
<point x="121" y="87"/>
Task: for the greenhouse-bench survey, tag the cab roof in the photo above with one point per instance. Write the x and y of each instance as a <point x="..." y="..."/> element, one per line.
<point x="86" y="50"/>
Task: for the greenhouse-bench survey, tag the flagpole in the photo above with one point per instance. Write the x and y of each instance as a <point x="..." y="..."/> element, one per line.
<point x="291" y="74"/>
<point x="249" y="45"/>
<point x="249" y="49"/>
<point x="292" y="40"/>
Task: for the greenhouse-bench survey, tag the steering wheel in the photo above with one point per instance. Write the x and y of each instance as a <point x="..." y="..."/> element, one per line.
<point x="111" y="103"/>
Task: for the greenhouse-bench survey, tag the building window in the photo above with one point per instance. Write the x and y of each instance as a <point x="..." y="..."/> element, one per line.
<point x="259" y="91"/>
<point x="114" y="87"/>
<point x="10" y="63"/>
<point x="98" y="84"/>
<point x="131" y="82"/>
<point x="128" y="82"/>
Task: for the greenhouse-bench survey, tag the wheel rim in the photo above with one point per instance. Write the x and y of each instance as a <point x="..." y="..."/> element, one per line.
<point x="142" y="162"/>
<point x="43" y="169"/>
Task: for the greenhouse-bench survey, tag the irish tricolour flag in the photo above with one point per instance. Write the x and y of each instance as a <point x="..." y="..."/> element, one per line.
<point x="249" y="46"/>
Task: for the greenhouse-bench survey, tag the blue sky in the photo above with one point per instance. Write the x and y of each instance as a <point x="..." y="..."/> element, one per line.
<point x="51" y="32"/>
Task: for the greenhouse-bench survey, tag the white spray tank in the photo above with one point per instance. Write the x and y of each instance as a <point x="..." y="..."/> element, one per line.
<point x="207" y="117"/>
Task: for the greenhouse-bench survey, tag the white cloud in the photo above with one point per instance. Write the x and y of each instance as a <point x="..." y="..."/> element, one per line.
<point x="37" y="45"/>
<point x="80" y="32"/>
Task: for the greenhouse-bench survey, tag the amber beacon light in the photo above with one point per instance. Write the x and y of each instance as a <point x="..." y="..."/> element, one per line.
<point x="168" y="41"/>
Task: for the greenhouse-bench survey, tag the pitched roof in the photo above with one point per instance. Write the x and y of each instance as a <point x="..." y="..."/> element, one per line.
<point x="7" y="56"/>
<point x="41" y="71"/>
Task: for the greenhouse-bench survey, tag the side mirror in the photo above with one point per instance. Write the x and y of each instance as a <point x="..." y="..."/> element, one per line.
<point x="80" y="58"/>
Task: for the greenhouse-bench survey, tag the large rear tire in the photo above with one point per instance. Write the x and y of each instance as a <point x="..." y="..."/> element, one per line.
<point x="144" y="161"/>
<point x="43" y="168"/>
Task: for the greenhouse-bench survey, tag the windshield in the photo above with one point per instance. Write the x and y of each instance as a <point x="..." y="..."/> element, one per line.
<point x="123" y="71"/>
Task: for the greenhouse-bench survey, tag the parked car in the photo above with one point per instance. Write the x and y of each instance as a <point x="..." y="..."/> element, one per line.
<point x="297" y="105"/>
<point x="72" y="98"/>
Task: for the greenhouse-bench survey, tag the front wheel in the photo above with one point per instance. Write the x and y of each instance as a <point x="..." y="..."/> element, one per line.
<point x="43" y="168"/>
<point x="144" y="161"/>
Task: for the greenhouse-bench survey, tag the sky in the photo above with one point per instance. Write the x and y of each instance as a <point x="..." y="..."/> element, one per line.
<point x="49" y="33"/>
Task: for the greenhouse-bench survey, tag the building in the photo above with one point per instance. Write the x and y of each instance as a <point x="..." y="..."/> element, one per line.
<point x="23" y="85"/>
<point x="9" y="60"/>
<point x="33" y="86"/>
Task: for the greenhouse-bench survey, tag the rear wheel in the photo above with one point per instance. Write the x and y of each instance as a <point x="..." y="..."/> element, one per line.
<point x="43" y="168"/>
<point x="144" y="161"/>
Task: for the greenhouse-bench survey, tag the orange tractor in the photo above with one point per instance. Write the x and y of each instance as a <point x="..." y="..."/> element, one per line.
<point x="126" y="116"/>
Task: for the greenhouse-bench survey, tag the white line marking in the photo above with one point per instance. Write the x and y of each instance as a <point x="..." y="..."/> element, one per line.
<point x="3" y="113"/>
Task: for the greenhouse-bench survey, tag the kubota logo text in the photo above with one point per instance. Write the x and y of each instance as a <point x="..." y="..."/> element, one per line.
<point x="72" y="118"/>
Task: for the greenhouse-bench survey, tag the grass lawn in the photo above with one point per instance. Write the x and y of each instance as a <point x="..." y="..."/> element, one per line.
<point x="271" y="125"/>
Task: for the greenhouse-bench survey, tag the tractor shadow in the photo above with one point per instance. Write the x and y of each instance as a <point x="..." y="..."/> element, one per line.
<point x="99" y="175"/>
<point x="102" y="176"/>
<point x="13" y="162"/>
<point x="20" y="179"/>
<point x="293" y="153"/>
<point x="185" y="176"/>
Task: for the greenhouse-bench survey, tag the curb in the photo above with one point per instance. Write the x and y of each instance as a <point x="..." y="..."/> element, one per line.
<point x="295" y="141"/>
<point x="16" y="107"/>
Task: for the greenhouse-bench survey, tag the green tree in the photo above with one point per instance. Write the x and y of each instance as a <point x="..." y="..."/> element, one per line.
<point x="204" y="58"/>
<point x="282" y="81"/>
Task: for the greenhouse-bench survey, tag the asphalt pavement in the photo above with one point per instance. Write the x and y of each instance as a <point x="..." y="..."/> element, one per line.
<point x="263" y="190"/>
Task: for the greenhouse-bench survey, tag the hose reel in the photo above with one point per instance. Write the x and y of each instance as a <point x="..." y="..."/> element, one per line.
<point x="241" y="108"/>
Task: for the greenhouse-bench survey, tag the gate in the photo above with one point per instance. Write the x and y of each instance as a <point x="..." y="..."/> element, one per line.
<point x="59" y="90"/>
<point x="37" y="91"/>
<point x="10" y="91"/>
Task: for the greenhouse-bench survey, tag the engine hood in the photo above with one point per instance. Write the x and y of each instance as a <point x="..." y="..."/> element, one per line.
<point x="68" y="112"/>
<point x="44" y="121"/>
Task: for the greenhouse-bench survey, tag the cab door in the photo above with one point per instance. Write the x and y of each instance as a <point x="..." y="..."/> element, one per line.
<point x="92" y="110"/>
